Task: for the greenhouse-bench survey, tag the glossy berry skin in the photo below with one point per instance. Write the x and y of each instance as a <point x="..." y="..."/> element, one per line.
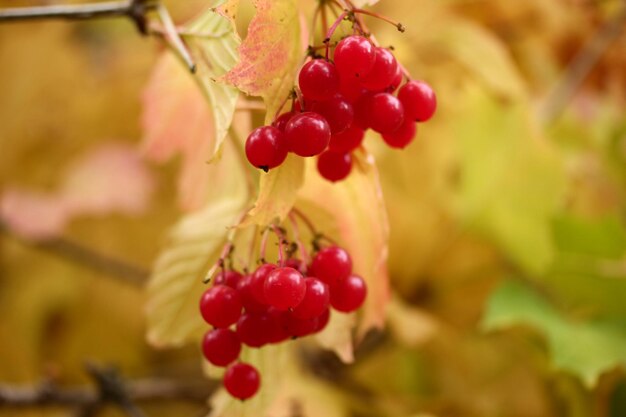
<point x="354" y="56"/>
<point x="297" y="327"/>
<point x="347" y="141"/>
<point x="318" y="80"/>
<point x="386" y="112"/>
<point x="307" y="134"/>
<point x="281" y="121"/>
<point x="228" y="278"/>
<point x="349" y="294"/>
<point x="242" y="381"/>
<point x="258" y="282"/>
<point x="252" y="329"/>
<point x="316" y="299"/>
<point x="284" y="288"/>
<point x="402" y="136"/>
<point x="334" y="166"/>
<point x="418" y="99"/>
<point x="220" y="306"/>
<point x="322" y="320"/>
<point x="383" y="72"/>
<point x="337" y="111"/>
<point x="221" y="346"/>
<point x="266" y="147"/>
<point x="331" y="265"/>
<point x="246" y="293"/>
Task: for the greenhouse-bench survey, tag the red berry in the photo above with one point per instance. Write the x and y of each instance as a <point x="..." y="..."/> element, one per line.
<point x="258" y="282"/>
<point x="322" y="320"/>
<point x="252" y="329"/>
<point x="220" y="306"/>
<point x="351" y="88"/>
<point x="331" y="264"/>
<point x="362" y="112"/>
<point x="418" y="99"/>
<point x="307" y="134"/>
<point x="354" y="56"/>
<point x="347" y="141"/>
<point x="284" y="288"/>
<point x="383" y="72"/>
<point x="242" y="380"/>
<point x="347" y="295"/>
<point x="397" y="80"/>
<point x="402" y="136"/>
<point x="277" y="331"/>
<point x="221" y="346"/>
<point x="316" y="299"/>
<point x="281" y="121"/>
<point x="386" y="112"/>
<point x="296" y="327"/>
<point x="249" y="301"/>
<point x="297" y="264"/>
<point x="334" y="166"/>
<point x="228" y="278"/>
<point x="318" y="80"/>
<point x="337" y="111"/>
<point x="266" y="147"/>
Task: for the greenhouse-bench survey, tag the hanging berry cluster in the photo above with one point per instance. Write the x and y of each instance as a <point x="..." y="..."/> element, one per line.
<point x="273" y="304"/>
<point x="339" y="100"/>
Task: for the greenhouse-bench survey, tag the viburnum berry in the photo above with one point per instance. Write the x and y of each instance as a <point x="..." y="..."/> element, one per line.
<point x="397" y="80"/>
<point x="281" y="121"/>
<point x="382" y="73"/>
<point x="249" y="301"/>
<point x="322" y="320"/>
<point x="266" y="147"/>
<point x="220" y="306"/>
<point x="228" y="278"/>
<point x="297" y="264"/>
<point x="346" y="141"/>
<point x="284" y="288"/>
<point x="316" y="299"/>
<point x="337" y="111"/>
<point x="221" y="346"/>
<point x="354" y="56"/>
<point x="418" y="99"/>
<point x="334" y="166"/>
<point x="277" y="331"/>
<point x="307" y="134"/>
<point x="318" y="80"/>
<point x="252" y="329"/>
<point x="348" y="295"/>
<point x="258" y="281"/>
<point x="331" y="265"/>
<point x="385" y="112"/>
<point x="242" y="380"/>
<point x="402" y="136"/>
<point x="351" y="88"/>
<point x="297" y="327"/>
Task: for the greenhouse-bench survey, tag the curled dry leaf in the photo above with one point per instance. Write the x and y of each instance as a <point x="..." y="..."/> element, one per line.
<point x="109" y="179"/>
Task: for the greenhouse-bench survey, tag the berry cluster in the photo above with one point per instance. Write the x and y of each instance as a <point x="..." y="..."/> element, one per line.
<point x="271" y="305"/>
<point x="339" y="101"/>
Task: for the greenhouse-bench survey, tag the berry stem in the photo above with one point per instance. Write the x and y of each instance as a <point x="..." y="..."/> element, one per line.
<point x="298" y="239"/>
<point x="324" y="22"/>
<point x="398" y="25"/>
<point x="281" y="242"/>
<point x="332" y="29"/>
<point x="252" y="248"/>
<point x="306" y="220"/>
<point x="226" y="251"/>
<point x="263" y="247"/>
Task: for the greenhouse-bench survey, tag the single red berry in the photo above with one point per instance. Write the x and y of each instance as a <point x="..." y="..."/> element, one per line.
<point x="386" y="112"/>
<point x="418" y="99"/>
<point x="316" y="299"/>
<point x="228" y="278"/>
<point x="284" y="288"/>
<point x="241" y="380"/>
<point x="363" y="111"/>
<point x="322" y="320"/>
<point x="307" y="134"/>
<point x="318" y="80"/>
<point x="246" y="293"/>
<point x="397" y="80"/>
<point x="331" y="265"/>
<point x="297" y="327"/>
<point x="351" y="88"/>
<point x="337" y="111"/>
<point x="346" y="141"/>
<point x="258" y="282"/>
<point x="383" y="72"/>
<point x="252" y="329"/>
<point x="281" y="121"/>
<point x="277" y="329"/>
<point x="221" y="346"/>
<point x="297" y="264"/>
<point x="402" y="136"/>
<point x="220" y="306"/>
<point x="347" y="295"/>
<point x="266" y="147"/>
<point x="354" y="56"/>
<point x="334" y="166"/>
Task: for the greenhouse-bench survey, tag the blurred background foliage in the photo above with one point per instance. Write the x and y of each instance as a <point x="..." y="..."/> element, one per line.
<point x="508" y="235"/>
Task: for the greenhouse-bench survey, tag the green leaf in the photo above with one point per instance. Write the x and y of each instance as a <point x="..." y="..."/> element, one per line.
<point x="511" y="182"/>
<point x="270" y="55"/>
<point x="586" y="348"/>
<point x="176" y="283"/>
